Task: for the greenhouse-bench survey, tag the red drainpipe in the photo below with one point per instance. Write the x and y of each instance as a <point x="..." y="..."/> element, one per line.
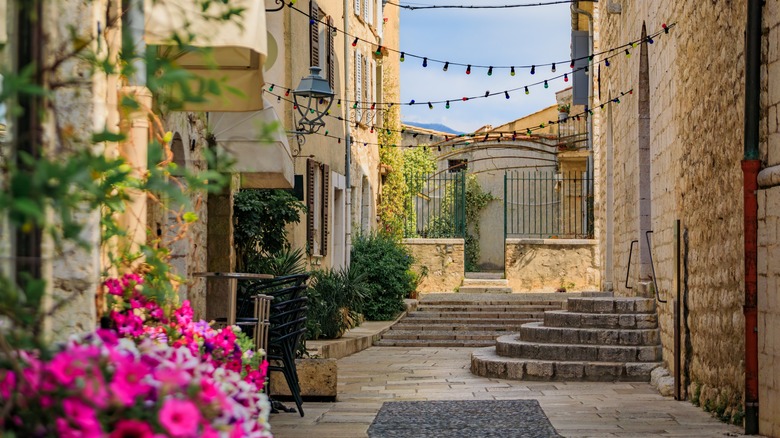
<point x="750" y="170"/>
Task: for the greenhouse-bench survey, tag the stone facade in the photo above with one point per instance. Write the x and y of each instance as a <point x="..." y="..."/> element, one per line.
<point x="444" y="261"/>
<point x="548" y="265"/>
<point x="694" y="105"/>
<point x="769" y="228"/>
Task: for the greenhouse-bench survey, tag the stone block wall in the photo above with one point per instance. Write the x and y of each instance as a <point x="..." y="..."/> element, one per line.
<point x="769" y="228"/>
<point x="545" y="265"/>
<point x="444" y="261"/>
<point x="696" y="85"/>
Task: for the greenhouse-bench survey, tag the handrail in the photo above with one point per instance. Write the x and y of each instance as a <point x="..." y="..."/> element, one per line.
<point x="628" y="268"/>
<point x="652" y="267"/>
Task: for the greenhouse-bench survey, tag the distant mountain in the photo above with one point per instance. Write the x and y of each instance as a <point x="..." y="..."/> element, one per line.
<point x="434" y="127"/>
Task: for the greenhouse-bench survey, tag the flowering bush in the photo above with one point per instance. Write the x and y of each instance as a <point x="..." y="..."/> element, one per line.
<point x="158" y="375"/>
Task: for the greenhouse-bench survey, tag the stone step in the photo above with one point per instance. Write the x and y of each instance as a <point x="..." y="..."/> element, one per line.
<point x="484" y="275"/>
<point x="497" y="282"/>
<point x="610" y="305"/>
<point x="489" y="308"/>
<point x="597" y="294"/>
<point x="444" y="344"/>
<point x="537" y="332"/>
<point x="563" y="318"/>
<point x="457" y="326"/>
<point x="511" y="346"/>
<point x="471" y="315"/>
<point x="485" y="290"/>
<point x="486" y="363"/>
<point x="496" y="321"/>
<point x="487" y="303"/>
<point x="441" y="335"/>
<point x="503" y="298"/>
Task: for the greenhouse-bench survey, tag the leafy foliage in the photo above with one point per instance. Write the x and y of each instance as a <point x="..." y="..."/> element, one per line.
<point x="387" y="266"/>
<point x="336" y="297"/>
<point x="476" y="201"/>
<point x="261" y="217"/>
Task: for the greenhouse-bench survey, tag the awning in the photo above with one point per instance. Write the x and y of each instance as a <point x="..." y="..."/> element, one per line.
<point x="239" y="46"/>
<point x="262" y="155"/>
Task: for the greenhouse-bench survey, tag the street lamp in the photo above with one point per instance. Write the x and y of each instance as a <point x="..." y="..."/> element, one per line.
<point x="313" y="98"/>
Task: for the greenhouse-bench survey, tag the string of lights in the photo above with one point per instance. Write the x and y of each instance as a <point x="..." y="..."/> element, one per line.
<point x="360" y="105"/>
<point x="511" y="135"/>
<point x="524" y="5"/>
<point x="512" y="68"/>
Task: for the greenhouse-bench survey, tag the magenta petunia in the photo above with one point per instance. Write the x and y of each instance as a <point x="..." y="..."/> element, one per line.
<point x="180" y="417"/>
<point x="132" y="429"/>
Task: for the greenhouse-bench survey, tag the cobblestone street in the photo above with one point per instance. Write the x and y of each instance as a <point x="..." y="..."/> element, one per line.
<point x="579" y="409"/>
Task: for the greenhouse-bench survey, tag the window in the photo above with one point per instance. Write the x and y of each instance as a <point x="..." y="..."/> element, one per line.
<point x="331" y="70"/>
<point x="358" y="84"/>
<point x="455" y="166"/>
<point x="357" y="7"/>
<point x="317" y="207"/>
<point x="368" y="11"/>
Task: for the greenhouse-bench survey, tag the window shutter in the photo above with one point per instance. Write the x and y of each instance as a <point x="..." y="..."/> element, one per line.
<point x="311" y="168"/>
<point x="358" y="84"/>
<point x="357" y="7"/>
<point x="366" y="11"/>
<point x="331" y="55"/>
<point x="314" y="33"/>
<point x="325" y="207"/>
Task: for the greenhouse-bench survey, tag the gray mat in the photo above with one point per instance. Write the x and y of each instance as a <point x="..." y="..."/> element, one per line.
<point x="462" y="419"/>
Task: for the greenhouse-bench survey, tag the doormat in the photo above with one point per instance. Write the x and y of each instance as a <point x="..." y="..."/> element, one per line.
<point x="464" y="418"/>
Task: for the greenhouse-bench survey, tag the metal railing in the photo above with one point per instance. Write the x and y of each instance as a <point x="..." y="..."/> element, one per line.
<point x="547" y="205"/>
<point x="435" y="205"/>
<point x="573" y="132"/>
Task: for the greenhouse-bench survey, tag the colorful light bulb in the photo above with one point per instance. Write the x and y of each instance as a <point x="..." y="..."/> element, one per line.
<point x="446" y="66"/>
<point x="512" y="72"/>
<point x="425" y="62"/>
<point x="565" y="77"/>
<point x="271" y="88"/>
<point x="354" y="43"/>
<point x="411" y="102"/>
<point x="403" y="57"/>
<point x="553" y="67"/>
<point x="572" y="64"/>
<point x="533" y="69"/>
<point x="447" y="105"/>
<point x="545" y="84"/>
<point x="506" y="94"/>
<point x="606" y="62"/>
<point x="430" y="106"/>
<point x="468" y="69"/>
<point x="526" y="91"/>
<point x="487" y="93"/>
<point x="490" y="71"/>
<point x="628" y="54"/>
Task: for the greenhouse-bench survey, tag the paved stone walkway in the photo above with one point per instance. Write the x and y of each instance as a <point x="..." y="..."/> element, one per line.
<point x="379" y="374"/>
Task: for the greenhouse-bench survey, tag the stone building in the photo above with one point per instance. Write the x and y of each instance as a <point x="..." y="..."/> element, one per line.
<point x="343" y="195"/>
<point x="673" y="151"/>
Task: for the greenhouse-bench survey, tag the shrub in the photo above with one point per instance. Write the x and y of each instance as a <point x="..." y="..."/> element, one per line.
<point x="387" y="266"/>
<point x="335" y="300"/>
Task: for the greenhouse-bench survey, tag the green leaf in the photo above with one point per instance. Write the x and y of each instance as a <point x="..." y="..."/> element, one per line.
<point x="190" y="217"/>
<point x="106" y="135"/>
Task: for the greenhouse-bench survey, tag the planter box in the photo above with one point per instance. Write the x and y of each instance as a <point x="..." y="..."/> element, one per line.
<point x="318" y="379"/>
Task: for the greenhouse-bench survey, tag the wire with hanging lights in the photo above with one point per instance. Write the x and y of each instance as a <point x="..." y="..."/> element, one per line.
<point x="427" y="59"/>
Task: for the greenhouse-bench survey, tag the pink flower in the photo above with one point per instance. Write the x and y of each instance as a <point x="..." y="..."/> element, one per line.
<point x="80" y="420"/>
<point x="65" y="368"/>
<point x="114" y="286"/>
<point x="132" y="429"/>
<point x="7" y="384"/>
<point x="180" y="417"/>
<point x="132" y="280"/>
<point x="127" y="383"/>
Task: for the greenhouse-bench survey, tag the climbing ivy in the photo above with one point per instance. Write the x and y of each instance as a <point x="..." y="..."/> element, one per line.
<point x="417" y="162"/>
<point x="476" y="201"/>
<point x="391" y="203"/>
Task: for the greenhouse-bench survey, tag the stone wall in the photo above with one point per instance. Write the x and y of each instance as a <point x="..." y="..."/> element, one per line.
<point x="769" y="228"/>
<point x="443" y="259"/>
<point x="696" y="85"/>
<point x="547" y="265"/>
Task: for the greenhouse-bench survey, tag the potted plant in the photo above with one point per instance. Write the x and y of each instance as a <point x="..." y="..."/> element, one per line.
<point x="563" y="111"/>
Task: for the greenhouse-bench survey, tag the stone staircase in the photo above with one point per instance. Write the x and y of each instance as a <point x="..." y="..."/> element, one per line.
<point x="467" y="320"/>
<point x="595" y="339"/>
<point x="485" y="282"/>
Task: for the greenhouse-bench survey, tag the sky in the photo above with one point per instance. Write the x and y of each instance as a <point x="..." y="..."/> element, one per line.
<point x="520" y="36"/>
